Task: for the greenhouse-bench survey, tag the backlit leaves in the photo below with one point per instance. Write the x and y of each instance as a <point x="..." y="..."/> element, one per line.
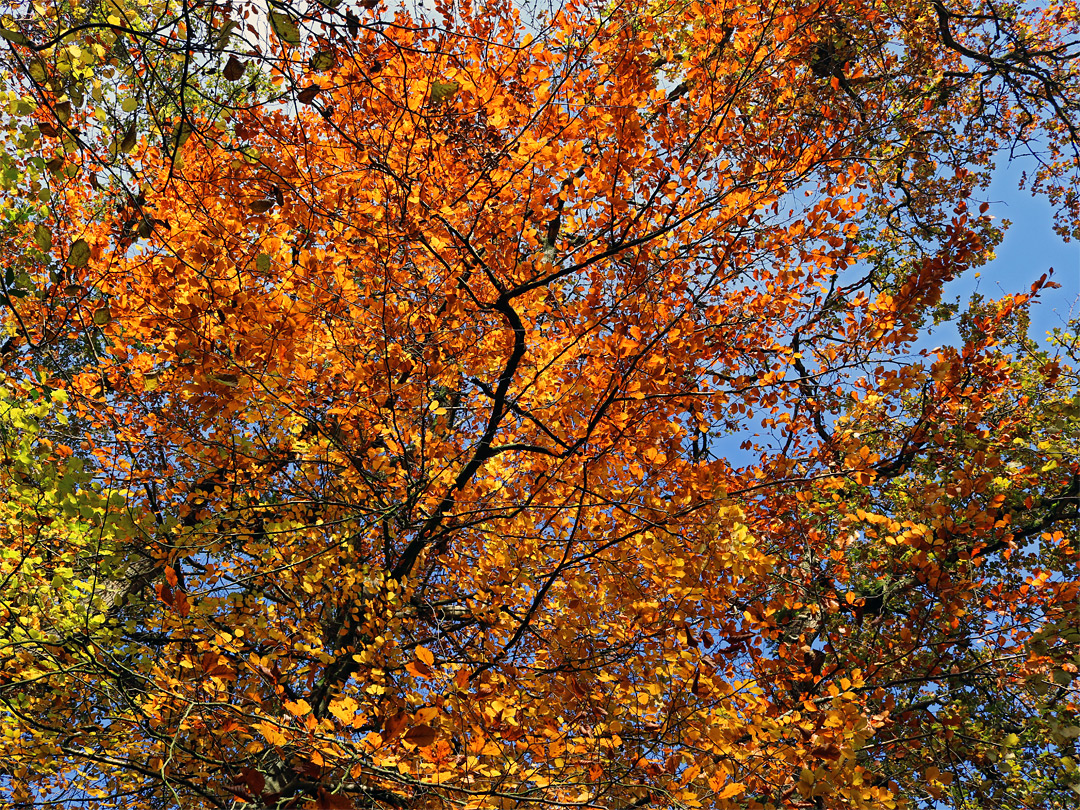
<point x="528" y="410"/>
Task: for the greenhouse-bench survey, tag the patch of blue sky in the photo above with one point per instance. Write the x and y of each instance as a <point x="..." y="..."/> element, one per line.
<point x="1029" y="249"/>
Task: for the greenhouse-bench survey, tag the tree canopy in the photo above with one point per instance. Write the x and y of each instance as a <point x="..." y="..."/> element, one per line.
<point x="515" y="405"/>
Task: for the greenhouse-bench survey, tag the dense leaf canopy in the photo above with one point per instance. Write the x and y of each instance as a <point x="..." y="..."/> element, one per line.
<point x="516" y="405"/>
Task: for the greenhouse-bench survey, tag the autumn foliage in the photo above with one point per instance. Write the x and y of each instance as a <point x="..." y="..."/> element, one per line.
<point x="512" y="405"/>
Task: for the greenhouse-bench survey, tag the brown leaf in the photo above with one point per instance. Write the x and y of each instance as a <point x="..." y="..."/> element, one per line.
<point x="421" y="736"/>
<point x="307" y="95"/>
<point x="128" y="143"/>
<point x="254" y="780"/>
<point x="394" y="725"/>
<point x="234" y="68"/>
<point x="181" y="604"/>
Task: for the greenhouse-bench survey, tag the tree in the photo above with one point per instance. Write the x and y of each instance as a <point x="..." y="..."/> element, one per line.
<point x="420" y="377"/>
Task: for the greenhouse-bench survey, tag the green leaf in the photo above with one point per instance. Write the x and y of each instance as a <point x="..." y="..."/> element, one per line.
<point x="102" y="316"/>
<point x="323" y="60"/>
<point x="180" y="134"/>
<point x="79" y="256"/>
<point x="285" y="28"/>
<point x="18" y="37"/>
<point x="43" y="237"/>
<point x="262" y="262"/>
<point x="441" y="91"/>
<point x="226" y="34"/>
<point x="128" y="142"/>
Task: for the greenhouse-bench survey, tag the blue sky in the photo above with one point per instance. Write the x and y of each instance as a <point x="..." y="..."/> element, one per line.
<point x="1030" y="249"/>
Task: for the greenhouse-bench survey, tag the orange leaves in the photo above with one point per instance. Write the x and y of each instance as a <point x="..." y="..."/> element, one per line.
<point x="174" y="598"/>
<point x="574" y="354"/>
<point x="421" y="666"/>
<point x="298" y="708"/>
<point x="345" y="710"/>
<point x="728" y="791"/>
<point x="271" y="733"/>
<point x="936" y="781"/>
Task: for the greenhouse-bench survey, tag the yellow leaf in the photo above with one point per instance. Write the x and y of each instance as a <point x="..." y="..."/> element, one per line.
<point x="425" y="655"/>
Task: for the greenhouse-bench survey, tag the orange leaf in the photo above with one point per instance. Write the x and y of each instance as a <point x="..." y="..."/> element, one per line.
<point x="298" y="707"/>
<point x="732" y="790"/>
<point x="418" y="669"/>
<point x="344" y="709"/>
<point x="271" y="733"/>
